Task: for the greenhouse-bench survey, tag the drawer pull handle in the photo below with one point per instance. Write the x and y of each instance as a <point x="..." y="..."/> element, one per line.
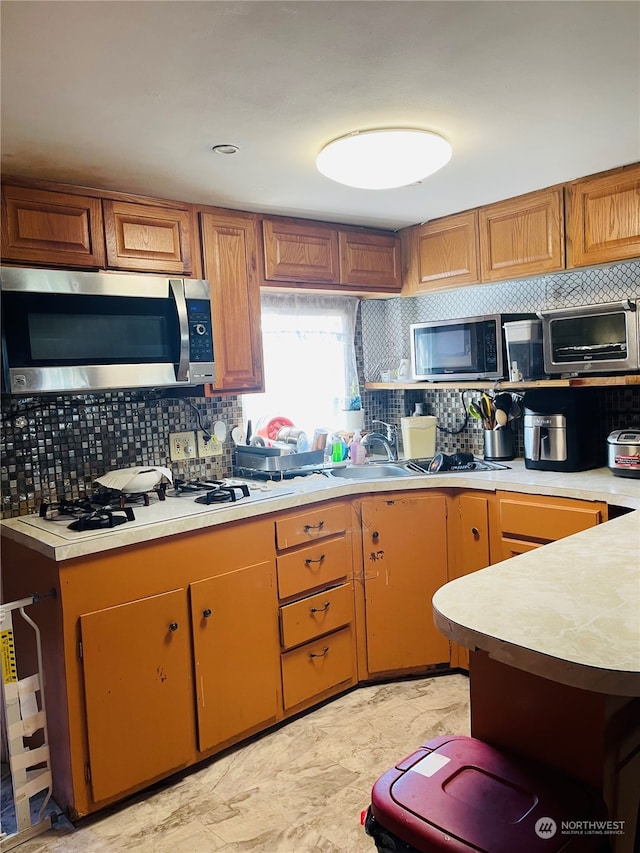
<point x="206" y="613"/>
<point x="476" y="532"/>
<point x="324" y="652"/>
<point x="310" y="560"/>
<point x="173" y="626"/>
<point x="317" y="526"/>
<point x="324" y="609"/>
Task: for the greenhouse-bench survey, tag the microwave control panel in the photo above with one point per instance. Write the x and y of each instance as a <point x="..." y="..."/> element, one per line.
<point x="200" y="332"/>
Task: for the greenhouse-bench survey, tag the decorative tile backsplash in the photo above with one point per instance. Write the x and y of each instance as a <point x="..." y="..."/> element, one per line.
<point x="56" y="446"/>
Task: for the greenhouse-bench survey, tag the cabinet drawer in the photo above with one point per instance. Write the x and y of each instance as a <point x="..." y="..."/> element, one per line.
<point x="513" y="547"/>
<point x="316" y="615"/>
<point x="317" y="666"/>
<point x="323" y="563"/>
<point x="547" y="519"/>
<point x="311" y="525"/>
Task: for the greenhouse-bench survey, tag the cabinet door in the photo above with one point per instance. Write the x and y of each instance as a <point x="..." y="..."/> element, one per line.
<point x="138" y="690"/>
<point x="446" y="253"/>
<point x="405" y="562"/>
<point x="299" y="251"/>
<point x="51" y="228"/>
<point x="237" y="652"/>
<point x="474" y="550"/>
<point x="229" y="245"/>
<point x="370" y="260"/>
<point x="522" y="236"/>
<point x="146" y="238"/>
<point x="474" y="533"/>
<point x="603" y="218"/>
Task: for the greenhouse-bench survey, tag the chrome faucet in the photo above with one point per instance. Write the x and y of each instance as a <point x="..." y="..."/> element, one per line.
<point x="389" y="440"/>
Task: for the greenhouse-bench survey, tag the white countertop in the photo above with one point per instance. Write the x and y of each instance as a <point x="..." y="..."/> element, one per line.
<point x="181" y="515"/>
<point x="569" y="611"/>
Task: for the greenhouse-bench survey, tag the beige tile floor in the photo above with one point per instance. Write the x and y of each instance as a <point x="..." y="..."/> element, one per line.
<point x="299" y="789"/>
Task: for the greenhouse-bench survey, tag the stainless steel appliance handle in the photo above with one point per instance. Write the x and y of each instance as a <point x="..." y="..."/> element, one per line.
<point x="535" y="449"/>
<point x="177" y="290"/>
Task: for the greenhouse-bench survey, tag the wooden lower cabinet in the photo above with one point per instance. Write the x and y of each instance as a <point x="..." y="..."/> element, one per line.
<point x="161" y="654"/>
<point x="315" y="588"/>
<point x="528" y="521"/>
<point x="471" y="548"/>
<point x="404" y="543"/>
<point x="135" y="662"/>
<point x="317" y="667"/>
<point x="235" y="642"/>
<point x="139" y="682"/>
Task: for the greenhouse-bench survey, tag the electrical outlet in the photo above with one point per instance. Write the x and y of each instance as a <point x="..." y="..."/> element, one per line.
<point x="213" y="447"/>
<point x="182" y="445"/>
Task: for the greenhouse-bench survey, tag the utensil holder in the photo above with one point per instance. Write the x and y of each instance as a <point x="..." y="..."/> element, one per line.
<point x="498" y="444"/>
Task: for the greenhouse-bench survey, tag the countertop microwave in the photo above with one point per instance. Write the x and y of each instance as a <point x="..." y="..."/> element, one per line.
<point x="467" y="349"/>
<point x="592" y="338"/>
<point x="78" y="332"/>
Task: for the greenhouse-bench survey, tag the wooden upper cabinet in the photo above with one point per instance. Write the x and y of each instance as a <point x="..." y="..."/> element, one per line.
<point x="299" y="251"/>
<point x="522" y="236"/>
<point x="147" y="238"/>
<point x="603" y="218"/>
<point x="229" y="245"/>
<point x="56" y="229"/>
<point x="443" y="253"/>
<point x="370" y="260"/>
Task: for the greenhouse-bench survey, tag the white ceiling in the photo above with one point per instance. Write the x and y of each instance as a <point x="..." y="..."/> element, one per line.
<point x="132" y="96"/>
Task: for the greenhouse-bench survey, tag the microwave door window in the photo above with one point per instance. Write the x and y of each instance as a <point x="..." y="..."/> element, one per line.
<point x="447" y="349"/>
<point x="98" y="339"/>
<point x="601" y="337"/>
<point x="61" y="330"/>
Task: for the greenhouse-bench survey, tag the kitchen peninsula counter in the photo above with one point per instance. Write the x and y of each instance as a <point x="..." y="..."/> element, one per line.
<point x="569" y="612"/>
<point x="598" y="484"/>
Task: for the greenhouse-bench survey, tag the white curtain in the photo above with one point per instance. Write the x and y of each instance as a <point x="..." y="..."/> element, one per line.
<point x="310" y="362"/>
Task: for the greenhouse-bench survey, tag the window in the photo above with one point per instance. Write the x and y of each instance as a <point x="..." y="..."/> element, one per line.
<point x="309" y="361"/>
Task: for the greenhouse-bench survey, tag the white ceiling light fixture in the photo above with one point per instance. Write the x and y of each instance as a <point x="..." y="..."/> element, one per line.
<point x="383" y="159"/>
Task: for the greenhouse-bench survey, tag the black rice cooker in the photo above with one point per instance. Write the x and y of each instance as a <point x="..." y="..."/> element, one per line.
<point x="623" y="452"/>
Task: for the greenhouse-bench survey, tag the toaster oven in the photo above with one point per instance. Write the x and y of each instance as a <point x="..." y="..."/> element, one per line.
<point x="591" y="339"/>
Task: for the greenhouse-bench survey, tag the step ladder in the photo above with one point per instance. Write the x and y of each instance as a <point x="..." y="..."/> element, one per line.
<point x="24" y="716"/>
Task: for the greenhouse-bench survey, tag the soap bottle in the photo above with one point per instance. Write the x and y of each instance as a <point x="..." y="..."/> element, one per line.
<point x="356" y="449"/>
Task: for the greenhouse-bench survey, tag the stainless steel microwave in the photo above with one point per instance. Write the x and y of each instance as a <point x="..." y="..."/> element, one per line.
<point x="466" y="349"/>
<point x="591" y="338"/>
<point x="78" y="332"/>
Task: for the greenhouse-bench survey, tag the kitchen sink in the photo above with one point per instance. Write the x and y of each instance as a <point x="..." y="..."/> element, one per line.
<point x="371" y="471"/>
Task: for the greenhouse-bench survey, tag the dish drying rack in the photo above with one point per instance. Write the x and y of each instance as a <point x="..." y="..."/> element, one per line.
<point x="24" y="715"/>
<point x="272" y="464"/>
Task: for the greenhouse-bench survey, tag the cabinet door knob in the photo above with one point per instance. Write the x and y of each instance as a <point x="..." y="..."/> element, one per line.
<point x="321" y="655"/>
<point x="476" y="532"/>
<point x="310" y="560"/>
<point x="375" y="534"/>
<point x="173" y="626"/>
<point x="206" y="613"/>
<point x="317" y="526"/>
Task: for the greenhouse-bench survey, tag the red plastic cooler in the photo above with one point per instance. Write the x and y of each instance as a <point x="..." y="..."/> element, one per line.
<point x="459" y="794"/>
